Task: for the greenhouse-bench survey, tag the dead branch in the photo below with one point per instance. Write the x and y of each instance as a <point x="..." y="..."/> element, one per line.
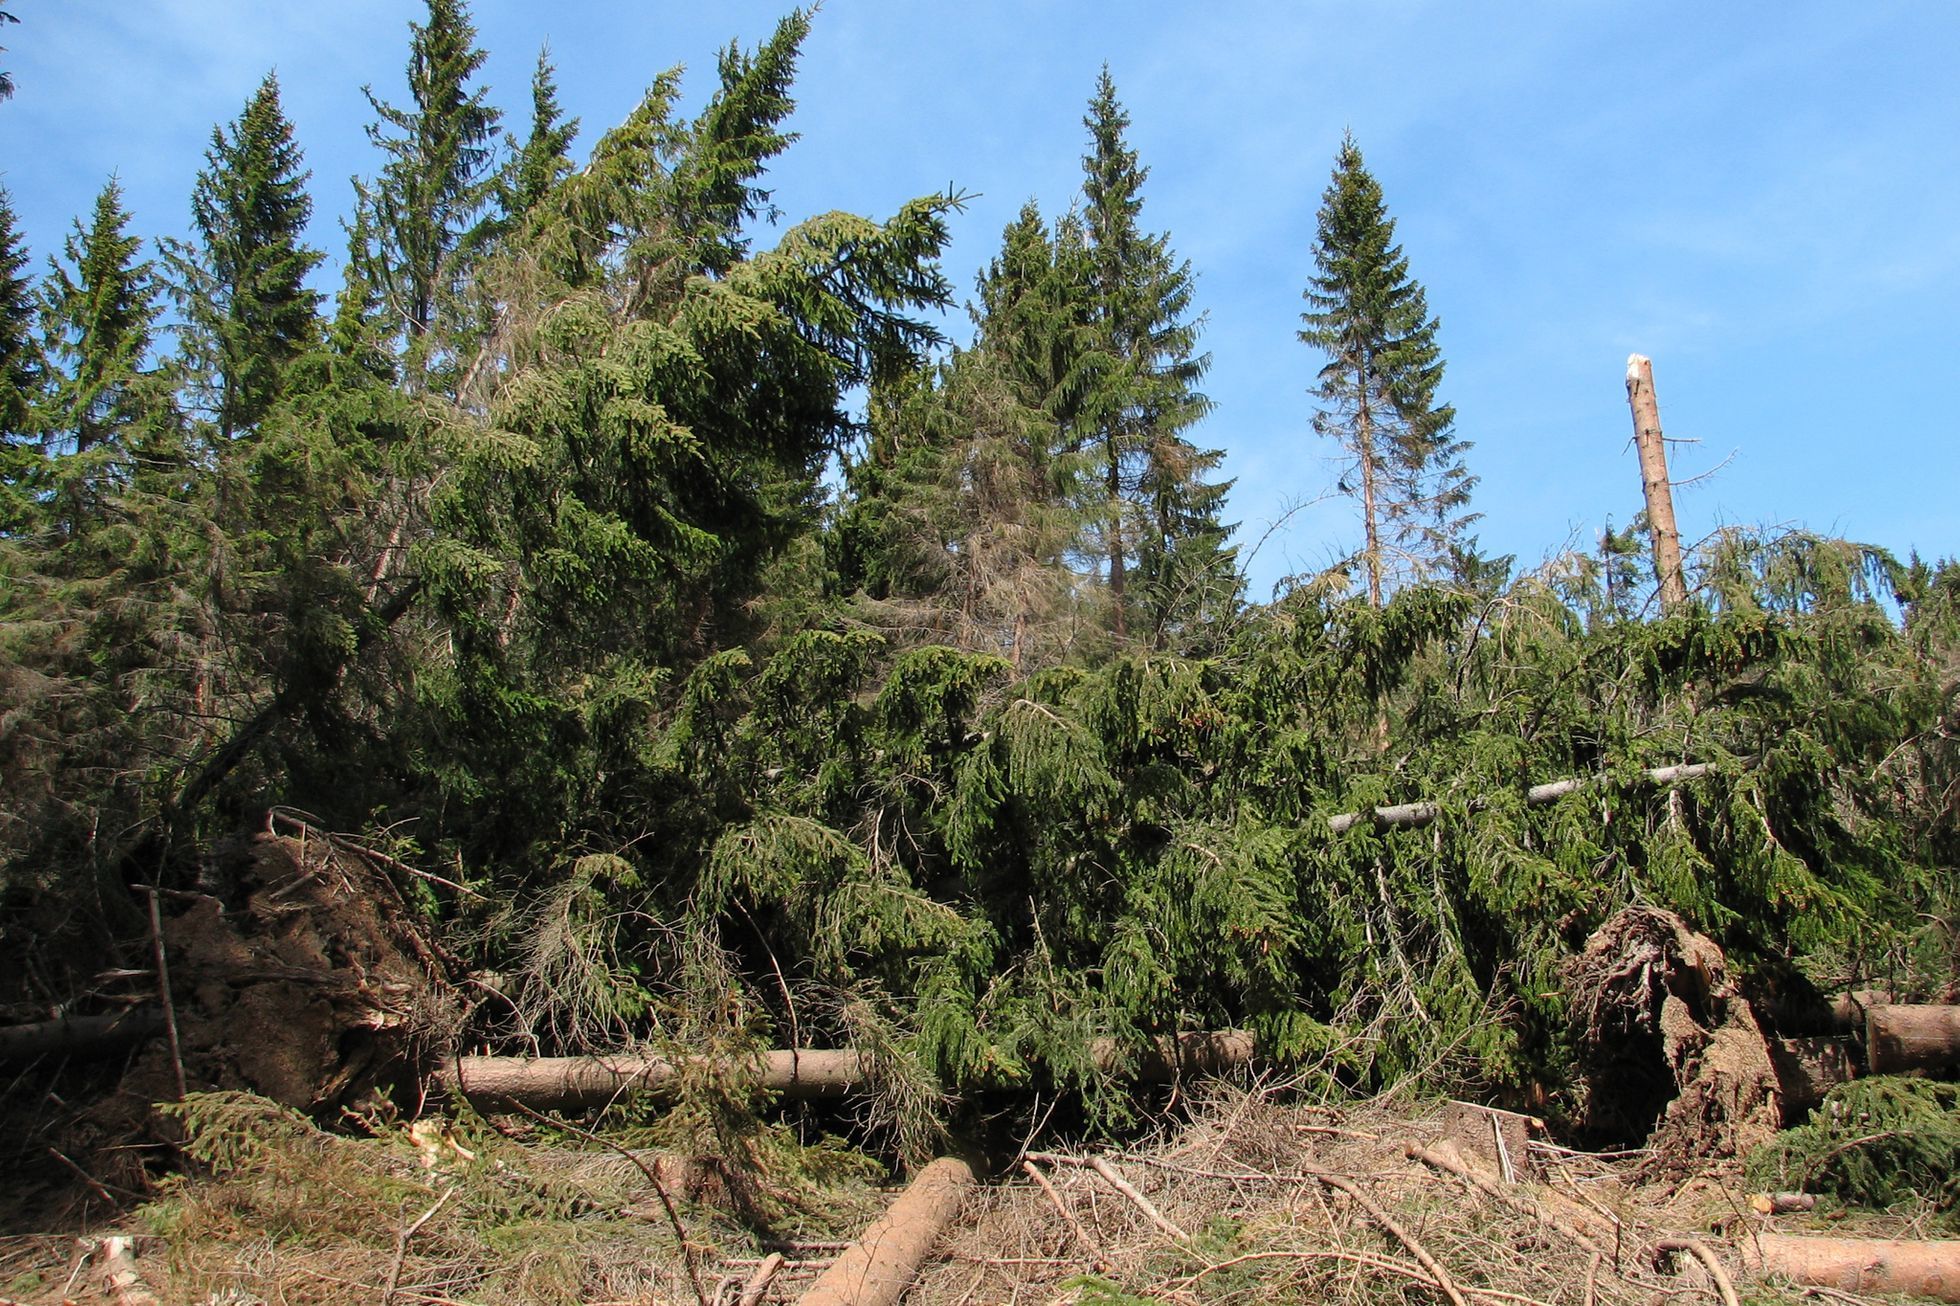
<point x="1515" y="1200"/>
<point x="402" y="1241"/>
<point x="163" y="993"/>
<point x="1109" y="1175"/>
<point x="1401" y="1235"/>
<point x="1068" y="1217"/>
<point x="1693" y="1247"/>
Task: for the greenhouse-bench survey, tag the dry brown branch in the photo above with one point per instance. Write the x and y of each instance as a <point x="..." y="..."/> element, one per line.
<point x="1109" y="1175"/>
<point x="1401" y="1235"/>
<point x="163" y="993"/>
<point x="758" y="1284"/>
<point x="1516" y="1201"/>
<point x="402" y="1241"/>
<point x="1075" y="1226"/>
<point x="1334" y="1131"/>
<point x="1699" y="1250"/>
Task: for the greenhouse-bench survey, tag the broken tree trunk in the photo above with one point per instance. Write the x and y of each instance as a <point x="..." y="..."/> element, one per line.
<point x="1807" y="1069"/>
<point x="80" y="1036"/>
<point x="1653" y="480"/>
<point x="1415" y="814"/>
<point x="1848" y="1009"/>
<point x="878" y="1268"/>
<point x="1860" y="1265"/>
<point x="1911" y="1037"/>
<point x="581" y="1083"/>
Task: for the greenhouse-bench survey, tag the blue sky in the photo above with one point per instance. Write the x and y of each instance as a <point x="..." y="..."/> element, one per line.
<point x="1761" y="197"/>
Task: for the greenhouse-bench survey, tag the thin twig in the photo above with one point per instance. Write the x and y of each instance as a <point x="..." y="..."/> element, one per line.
<point x="1517" y="1203"/>
<point x="94" y="1184"/>
<point x="1693" y="1247"/>
<point x="1401" y="1235"/>
<point x="1355" y="1258"/>
<point x="163" y="992"/>
<point x="401" y="1244"/>
<point x="660" y="1190"/>
<point x="1068" y="1216"/>
<point x="349" y="844"/>
<point x="1115" y="1180"/>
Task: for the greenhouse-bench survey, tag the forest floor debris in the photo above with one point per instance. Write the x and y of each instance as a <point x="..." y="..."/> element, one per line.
<point x="1254" y="1194"/>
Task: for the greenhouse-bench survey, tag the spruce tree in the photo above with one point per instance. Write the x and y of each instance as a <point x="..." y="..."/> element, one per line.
<point x="715" y="181"/>
<point x="98" y="314"/>
<point x="438" y="177"/>
<point x="249" y="311"/>
<point x="1161" y="511"/>
<point x="1378" y="389"/>
<point x="22" y="378"/>
<point x="543" y="160"/>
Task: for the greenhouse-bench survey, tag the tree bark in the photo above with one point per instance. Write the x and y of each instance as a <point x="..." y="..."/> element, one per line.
<point x="1860" y="1265"/>
<point x="1416" y="814"/>
<point x="1911" y="1037"/>
<point x="582" y="1083"/>
<point x="878" y="1268"/>
<point x="1807" y="1069"/>
<point x="1653" y="480"/>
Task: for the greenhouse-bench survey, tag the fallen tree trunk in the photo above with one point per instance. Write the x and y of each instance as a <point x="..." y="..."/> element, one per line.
<point x="80" y="1036"/>
<point x="1807" y="1069"/>
<point x="1915" y="1037"/>
<point x="1860" y="1265"/>
<point x="1848" y="1009"/>
<point x="878" y="1268"/>
<point x="1417" y="814"/>
<point x="581" y="1083"/>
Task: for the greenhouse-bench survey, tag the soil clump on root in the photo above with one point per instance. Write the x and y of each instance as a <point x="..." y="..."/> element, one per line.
<point x="309" y="980"/>
<point x="1670" y="1051"/>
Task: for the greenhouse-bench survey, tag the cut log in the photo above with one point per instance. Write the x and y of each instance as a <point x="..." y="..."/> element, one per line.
<point x="1807" y="1069"/>
<point x="878" y="1268"/>
<point x="583" y="1083"/>
<point x="80" y="1036"/>
<point x="1848" y="1009"/>
<point x="1902" y="1038"/>
<point x="1860" y="1265"/>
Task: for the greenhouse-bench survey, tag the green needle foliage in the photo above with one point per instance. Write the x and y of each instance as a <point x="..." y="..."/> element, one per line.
<point x="249" y="312"/>
<point x="532" y="557"/>
<point x="419" y="214"/>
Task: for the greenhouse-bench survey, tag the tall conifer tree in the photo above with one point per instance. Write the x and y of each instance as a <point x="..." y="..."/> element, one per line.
<point x="1378" y="389"/>
<point x="99" y="312"/>
<point x="544" y="159"/>
<point x="439" y="174"/>
<point x="243" y="285"/>
<point x="1161" y="513"/>
<point x="22" y="376"/>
